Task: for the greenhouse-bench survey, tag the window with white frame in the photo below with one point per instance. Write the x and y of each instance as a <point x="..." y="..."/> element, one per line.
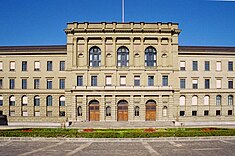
<point x="218" y="100"/>
<point x="182" y="66"/>
<point x="206" y="100"/>
<point x="25" y="113"/>
<point x="62" y="101"/>
<point x="24" y="100"/>
<point x="122" y="80"/>
<point x="1" y="66"/>
<point x="194" y="100"/>
<point x="123" y="56"/>
<point x="12" y="66"/>
<point x="218" y="66"/>
<point x="182" y="100"/>
<point x="1" y="100"/>
<point x="218" y="83"/>
<point x="12" y="100"/>
<point x="150" y="56"/>
<point x="108" y="80"/>
<point x="136" y="80"/>
<point x="230" y="100"/>
<point x="36" y="66"/>
<point x="195" y="84"/>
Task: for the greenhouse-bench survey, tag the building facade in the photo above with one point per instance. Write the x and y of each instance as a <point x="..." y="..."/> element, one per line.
<point x="117" y="72"/>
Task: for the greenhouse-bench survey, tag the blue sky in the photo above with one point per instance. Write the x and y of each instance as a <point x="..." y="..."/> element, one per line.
<point x="41" y="22"/>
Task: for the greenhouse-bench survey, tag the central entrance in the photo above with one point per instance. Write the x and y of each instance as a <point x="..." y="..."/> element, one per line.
<point x="150" y="110"/>
<point x="94" y="111"/>
<point x="122" y="111"/>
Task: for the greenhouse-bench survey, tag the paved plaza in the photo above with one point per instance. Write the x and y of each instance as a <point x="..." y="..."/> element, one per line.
<point x="118" y="147"/>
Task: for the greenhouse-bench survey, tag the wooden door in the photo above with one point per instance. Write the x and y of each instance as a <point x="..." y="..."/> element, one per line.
<point x="94" y="112"/>
<point x="122" y="112"/>
<point x="150" y="112"/>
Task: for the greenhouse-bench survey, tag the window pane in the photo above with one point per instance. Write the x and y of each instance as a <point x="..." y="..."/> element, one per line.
<point x="93" y="80"/>
<point x="123" y="56"/>
<point x="12" y="84"/>
<point x="49" y="84"/>
<point x="207" y="65"/>
<point x="62" y="65"/>
<point x="123" y="80"/>
<point x="137" y="81"/>
<point x="36" y="65"/>
<point x="49" y="65"/>
<point x="230" y="84"/>
<point x="230" y="66"/>
<point x="150" y="80"/>
<point x="182" y="65"/>
<point x="182" y="83"/>
<point x="24" y="65"/>
<point x="195" y="66"/>
<point x="218" y="83"/>
<point x="95" y="56"/>
<point x="1" y="66"/>
<point x="108" y="80"/>
<point x="24" y="83"/>
<point x="182" y="100"/>
<point x="79" y="80"/>
<point x="150" y="56"/>
<point x="218" y="66"/>
<point x="12" y="66"/>
<point x="36" y="83"/>
<point x="164" y="80"/>
<point x="62" y="84"/>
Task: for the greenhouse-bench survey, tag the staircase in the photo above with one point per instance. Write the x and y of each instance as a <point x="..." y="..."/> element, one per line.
<point x="122" y="124"/>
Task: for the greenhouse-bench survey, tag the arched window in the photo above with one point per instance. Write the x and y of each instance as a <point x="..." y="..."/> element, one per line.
<point x="62" y="101"/>
<point x="194" y="100"/>
<point x="24" y="100"/>
<point x="150" y="56"/>
<point x="12" y="100"/>
<point x="36" y="100"/>
<point x="79" y="110"/>
<point x="123" y="56"/>
<point x="182" y="100"/>
<point x="206" y="100"/>
<point x="218" y="100"/>
<point x="164" y="111"/>
<point x="108" y="111"/>
<point x="95" y="56"/>
<point x="230" y="100"/>
<point x="1" y="100"/>
<point x="137" y="111"/>
<point x="49" y="100"/>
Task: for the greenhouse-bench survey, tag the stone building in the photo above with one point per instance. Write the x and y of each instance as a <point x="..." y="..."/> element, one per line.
<point x="129" y="73"/>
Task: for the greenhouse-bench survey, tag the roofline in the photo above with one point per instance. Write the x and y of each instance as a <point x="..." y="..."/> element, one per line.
<point x="123" y="23"/>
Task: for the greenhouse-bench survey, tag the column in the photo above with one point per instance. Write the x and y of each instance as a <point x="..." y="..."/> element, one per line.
<point x="102" y="108"/>
<point x="114" y="52"/>
<point x="103" y="52"/>
<point x="142" y="54"/>
<point x="131" y="56"/>
<point x="74" y="52"/>
<point x="86" y="53"/>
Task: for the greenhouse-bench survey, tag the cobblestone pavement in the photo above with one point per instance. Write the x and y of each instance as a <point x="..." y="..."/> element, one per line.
<point x="118" y="147"/>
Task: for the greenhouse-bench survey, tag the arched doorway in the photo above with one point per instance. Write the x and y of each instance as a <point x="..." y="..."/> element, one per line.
<point x="94" y="111"/>
<point x="150" y="110"/>
<point x="122" y="111"/>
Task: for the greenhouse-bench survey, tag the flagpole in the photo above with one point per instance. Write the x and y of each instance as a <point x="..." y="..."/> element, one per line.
<point x="123" y="11"/>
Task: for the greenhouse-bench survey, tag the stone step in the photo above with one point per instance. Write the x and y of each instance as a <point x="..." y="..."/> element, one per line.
<point x="127" y="124"/>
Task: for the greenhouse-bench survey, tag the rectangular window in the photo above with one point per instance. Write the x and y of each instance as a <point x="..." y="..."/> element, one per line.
<point x="207" y="65"/>
<point x="93" y="80"/>
<point x="217" y="112"/>
<point x="194" y="113"/>
<point x="24" y="83"/>
<point x="206" y="113"/>
<point x="12" y="66"/>
<point x="182" y="83"/>
<point x="37" y="113"/>
<point x="62" y="113"/>
<point x="218" y="83"/>
<point x="36" y="66"/>
<point x="165" y="80"/>
<point x="1" y="84"/>
<point x="12" y="84"/>
<point x="49" y="65"/>
<point x="230" y="65"/>
<point x="62" y="84"/>
<point x="122" y="80"/>
<point x="79" y="80"/>
<point x="218" y="66"/>
<point x="108" y="81"/>
<point x="137" y="81"/>
<point x="36" y="83"/>
<point x="182" y="113"/>
<point x="49" y="84"/>
<point x="207" y="83"/>
<point x="1" y="101"/>
<point x="1" y="66"/>
<point x="195" y="66"/>
<point x="62" y="65"/>
<point x="25" y="113"/>
<point x="195" y="84"/>
<point x="150" y="80"/>
<point x="12" y="113"/>
<point x="49" y="113"/>
<point x="182" y="65"/>
<point x="24" y="65"/>
<point x="230" y="112"/>
<point x="230" y="84"/>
